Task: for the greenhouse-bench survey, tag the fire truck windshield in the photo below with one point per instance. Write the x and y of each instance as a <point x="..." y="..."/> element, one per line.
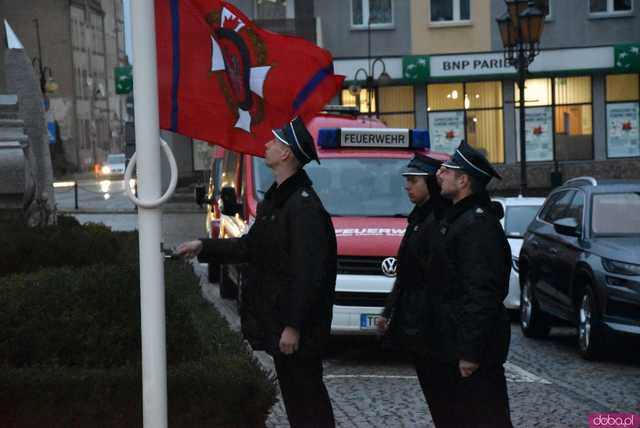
<point x="351" y="186"/>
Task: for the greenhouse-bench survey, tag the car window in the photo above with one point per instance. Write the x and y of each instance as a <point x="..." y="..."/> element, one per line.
<point x="518" y="218"/>
<point x="557" y="207"/>
<point x="352" y="186"/>
<point x="616" y="214"/>
<point x="575" y="209"/>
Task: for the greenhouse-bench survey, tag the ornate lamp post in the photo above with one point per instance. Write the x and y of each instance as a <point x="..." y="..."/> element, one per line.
<point x="370" y="82"/>
<point x="520" y="30"/>
<point x="46" y="84"/>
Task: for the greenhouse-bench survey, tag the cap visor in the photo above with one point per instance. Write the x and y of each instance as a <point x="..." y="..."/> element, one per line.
<point x="451" y="165"/>
<point x="413" y="171"/>
<point x="279" y="134"/>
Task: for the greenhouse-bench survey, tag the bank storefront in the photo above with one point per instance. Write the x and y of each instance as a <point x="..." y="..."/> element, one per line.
<point x="581" y="108"/>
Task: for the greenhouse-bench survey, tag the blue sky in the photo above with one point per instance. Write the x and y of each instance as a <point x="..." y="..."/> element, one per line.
<point x="127" y="30"/>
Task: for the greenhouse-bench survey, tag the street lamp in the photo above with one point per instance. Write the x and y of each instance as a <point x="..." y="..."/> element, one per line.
<point x="520" y="30"/>
<point x="370" y="82"/>
<point x="46" y="84"/>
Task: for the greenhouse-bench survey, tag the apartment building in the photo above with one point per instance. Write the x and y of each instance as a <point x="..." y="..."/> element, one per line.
<point x="81" y="42"/>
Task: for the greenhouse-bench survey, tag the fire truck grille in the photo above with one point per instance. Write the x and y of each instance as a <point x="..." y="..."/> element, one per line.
<point x="360" y="265"/>
<point x="355" y="298"/>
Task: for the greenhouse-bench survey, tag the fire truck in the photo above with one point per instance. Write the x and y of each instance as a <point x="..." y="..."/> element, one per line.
<point x="360" y="185"/>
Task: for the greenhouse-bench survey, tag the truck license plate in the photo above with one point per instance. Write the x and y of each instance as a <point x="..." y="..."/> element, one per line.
<point x="368" y="321"/>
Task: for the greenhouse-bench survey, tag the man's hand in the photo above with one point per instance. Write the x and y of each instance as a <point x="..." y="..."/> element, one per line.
<point x="289" y="340"/>
<point x="189" y="249"/>
<point x="467" y="368"/>
<point x="382" y="324"/>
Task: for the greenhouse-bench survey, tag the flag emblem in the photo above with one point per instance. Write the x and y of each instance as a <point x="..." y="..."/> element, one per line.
<point x="224" y="80"/>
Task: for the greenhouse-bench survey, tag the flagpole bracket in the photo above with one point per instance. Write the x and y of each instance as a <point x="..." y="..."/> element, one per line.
<point x="173" y="166"/>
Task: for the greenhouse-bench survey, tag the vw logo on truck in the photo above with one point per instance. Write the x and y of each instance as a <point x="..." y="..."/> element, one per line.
<point x="389" y="266"/>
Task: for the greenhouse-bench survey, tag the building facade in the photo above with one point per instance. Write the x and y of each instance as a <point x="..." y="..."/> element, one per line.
<point x="81" y="42"/>
<point x="582" y="92"/>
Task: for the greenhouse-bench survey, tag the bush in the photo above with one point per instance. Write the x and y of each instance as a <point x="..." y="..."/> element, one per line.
<point x="70" y="349"/>
<point x="29" y="249"/>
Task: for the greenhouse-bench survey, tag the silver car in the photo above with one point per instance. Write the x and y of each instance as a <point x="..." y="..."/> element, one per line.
<point x="518" y="214"/>
<point x="114" y="166"/>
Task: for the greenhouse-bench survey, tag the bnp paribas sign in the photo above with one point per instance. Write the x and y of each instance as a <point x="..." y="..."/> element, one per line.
<point x="423" y="68"/>
<point x="470" y="65"/>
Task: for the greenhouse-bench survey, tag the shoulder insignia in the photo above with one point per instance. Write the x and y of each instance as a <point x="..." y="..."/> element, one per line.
<point x="304" y="194"/>
<point x="479" y="212"/>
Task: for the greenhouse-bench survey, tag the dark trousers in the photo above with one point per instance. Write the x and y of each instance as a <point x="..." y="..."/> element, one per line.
<point x="480" y="400"/>
<point x="305" y="396"/>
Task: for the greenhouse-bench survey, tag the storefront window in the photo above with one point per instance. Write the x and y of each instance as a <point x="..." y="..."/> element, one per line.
<point x="397" y="108"/>
<point x="359" y="99"/>
<point x="445" y="96"/>
<point x="573" y="118"/>
<point x="467" y="111"/>
<point x="623" y="87"/>
<point x="623" y="113"/>
<point x="393" y="105"/>
<point x="558" y="119"/>
<point x="537" y="92"/>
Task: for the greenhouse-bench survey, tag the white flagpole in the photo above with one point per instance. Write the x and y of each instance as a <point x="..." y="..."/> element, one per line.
<point x="152" y="301"/>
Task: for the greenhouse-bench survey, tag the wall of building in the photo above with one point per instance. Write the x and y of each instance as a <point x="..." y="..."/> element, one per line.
<point x="344" y="41"/>
<point x="454" y="37"/>
<point x="571" y="25"/>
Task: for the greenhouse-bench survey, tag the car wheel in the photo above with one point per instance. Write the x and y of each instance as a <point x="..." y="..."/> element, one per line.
<point x="532" y="321"/>
<point x="227" y="287"/>
<point x="590" y="335"/>
<point x="214" y="272"/>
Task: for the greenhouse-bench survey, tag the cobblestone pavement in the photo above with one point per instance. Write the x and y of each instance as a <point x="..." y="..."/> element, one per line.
<point x="549" y="384"/>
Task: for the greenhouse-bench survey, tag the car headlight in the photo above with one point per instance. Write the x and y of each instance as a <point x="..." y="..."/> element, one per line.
<point x="106" y="170"/>
<point x="621" y="268"/>
<point x="515" y="263"/>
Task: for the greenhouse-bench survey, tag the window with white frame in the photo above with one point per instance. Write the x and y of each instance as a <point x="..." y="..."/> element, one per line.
<point x="450" y="10"/>
<point x="610" y="6"/>
<point x="377" y="13"/>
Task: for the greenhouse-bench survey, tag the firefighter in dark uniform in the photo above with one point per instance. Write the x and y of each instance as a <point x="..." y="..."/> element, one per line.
<point x="288" y="296"/>
<point x="404" y="318"/>
<point x="470" y="262"/>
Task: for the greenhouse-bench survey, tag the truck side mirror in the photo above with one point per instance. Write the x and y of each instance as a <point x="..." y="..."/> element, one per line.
<point x="230" y="205"/>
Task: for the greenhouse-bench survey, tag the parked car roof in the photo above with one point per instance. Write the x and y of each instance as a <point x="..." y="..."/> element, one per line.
<point x="589" y="183"/>
<point x="519" y="200"/>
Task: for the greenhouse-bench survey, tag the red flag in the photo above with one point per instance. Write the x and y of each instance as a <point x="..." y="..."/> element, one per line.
<point x="224" y="80"/>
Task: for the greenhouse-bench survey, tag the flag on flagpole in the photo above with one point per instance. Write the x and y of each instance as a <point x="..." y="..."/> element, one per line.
<point x="224" y="80"/>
